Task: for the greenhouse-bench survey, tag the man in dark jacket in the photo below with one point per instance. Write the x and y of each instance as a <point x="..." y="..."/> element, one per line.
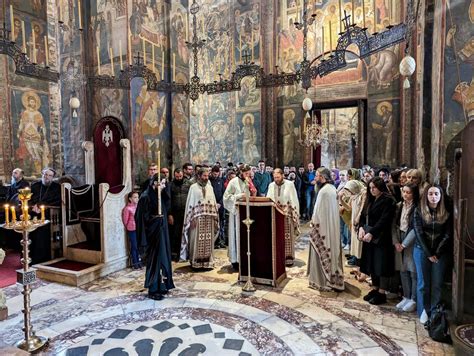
<point x="152" y="170"/>
<point x="17" y="183"/>
<point x="218" y="185"/>
<point x="179" y="192"/>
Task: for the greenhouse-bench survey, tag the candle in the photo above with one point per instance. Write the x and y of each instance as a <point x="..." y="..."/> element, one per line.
<point x="42" y="213"/>
<point x="144" y="51"/>
<point x="375" y="18"/>
<point x="98" y="60"/>
<point x="353" y="10"/>
<point x="60" y="11"/>
<point x="363" y="12"/>
<point x="159" y="163"/>
<point x="174" y="67"/>
<point x="23" y="35"/>
<point x="7" y="213"/>
<point x="299" y="129"/>
<point x="247" y="198"/>
<point x="322" y="36"/>
<point x="120" y="50"/>
<point x="24" y="211"/>
<point x="187" y="28"/>
<point x="240" y="46"/>
<point x="390" y="9"/>
<point x="252" y="45"/>
<point x="340" y="15"/>
<point x="13" y="214"/>
<point x="130" y="48"/>
<point x="330" y="37"/>
<point x="162" y="64"/>
<point x="153" y="57"/>
<point x="12" y="22"/>
<point x="79" y="13"/>
<point x="111" y="55"/>
<point x="34" y="44"/>
<point x="46" y="50"/>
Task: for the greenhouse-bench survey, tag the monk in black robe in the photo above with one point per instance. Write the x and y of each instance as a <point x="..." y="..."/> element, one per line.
<point x="48" y="193"/>
<point x="153" y="239"/>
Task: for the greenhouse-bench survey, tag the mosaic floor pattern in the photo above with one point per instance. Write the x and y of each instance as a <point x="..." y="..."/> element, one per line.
<point x="207" y="314"/>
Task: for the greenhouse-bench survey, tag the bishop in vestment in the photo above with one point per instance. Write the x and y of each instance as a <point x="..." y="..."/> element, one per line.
<point x="153" y="238"/>
<point x="283" y="193"/>
<point x="235" y="190"/>
<point x="325" y="254"/>
<point x="201" y="223"/>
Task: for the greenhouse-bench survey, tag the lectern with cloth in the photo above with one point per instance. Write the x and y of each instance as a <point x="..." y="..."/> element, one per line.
<point x="267" y="242"/>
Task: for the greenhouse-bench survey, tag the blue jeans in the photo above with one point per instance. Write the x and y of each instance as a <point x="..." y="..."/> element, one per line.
<point x="345" y="234"/>
<point x="132" y="237"/>
<point x="430" y="278"/>
<point x="309" y="193"/>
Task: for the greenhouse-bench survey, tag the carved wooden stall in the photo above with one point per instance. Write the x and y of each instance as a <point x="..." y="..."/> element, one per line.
<point x="94" y="239"/>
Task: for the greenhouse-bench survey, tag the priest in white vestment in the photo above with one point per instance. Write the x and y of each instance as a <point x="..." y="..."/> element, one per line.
<point x="283" y="193"/>
<point x="235" y="190"/>
<point x="201" y="223"/>
<point x="325" y="253"/>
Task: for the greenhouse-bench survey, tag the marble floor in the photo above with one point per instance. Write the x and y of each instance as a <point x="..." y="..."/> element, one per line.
<point x="208" y="314"/>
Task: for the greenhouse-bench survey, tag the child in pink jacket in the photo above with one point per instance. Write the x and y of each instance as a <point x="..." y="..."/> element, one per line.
<point x="128" y="218"/>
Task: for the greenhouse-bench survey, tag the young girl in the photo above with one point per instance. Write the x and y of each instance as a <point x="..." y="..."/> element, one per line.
<point x="403" y="237"/>
<point x="128" y="218"/>
<point x="432" y="223"/>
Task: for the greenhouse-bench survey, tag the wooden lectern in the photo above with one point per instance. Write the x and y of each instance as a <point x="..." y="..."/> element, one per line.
<point x="267" y="242"/>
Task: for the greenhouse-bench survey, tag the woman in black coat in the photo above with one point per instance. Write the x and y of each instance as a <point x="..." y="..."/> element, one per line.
<point x="377" y="251"/>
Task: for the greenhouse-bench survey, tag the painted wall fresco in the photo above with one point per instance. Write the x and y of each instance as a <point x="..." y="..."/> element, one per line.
<point x="458" y="68"/>
<point x="290" y="130"/>
<point x="379" y="72"/>
<point x="150" y="130"/>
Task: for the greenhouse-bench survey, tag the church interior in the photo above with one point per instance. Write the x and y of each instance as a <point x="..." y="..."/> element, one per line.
<point x="111" y="104"/>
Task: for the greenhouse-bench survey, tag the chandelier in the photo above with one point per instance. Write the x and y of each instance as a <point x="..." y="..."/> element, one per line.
<point x="308" y="70"/>
<point x="23" y="64"/>
<point x="312" y="131"/>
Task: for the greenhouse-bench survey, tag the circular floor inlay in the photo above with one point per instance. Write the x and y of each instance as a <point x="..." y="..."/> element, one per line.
<point x="165" y="337"/>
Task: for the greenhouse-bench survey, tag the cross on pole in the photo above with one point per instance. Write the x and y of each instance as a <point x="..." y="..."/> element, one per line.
<point x="138" y="59"/>
<point x="345" y="19"/>
<point x="246" y="56"/>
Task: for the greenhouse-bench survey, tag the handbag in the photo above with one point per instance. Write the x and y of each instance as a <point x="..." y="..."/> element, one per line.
<point x="438" y="326"/>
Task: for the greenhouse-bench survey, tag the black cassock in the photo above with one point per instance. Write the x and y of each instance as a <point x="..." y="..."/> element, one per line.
<point x="153" y="240"/>
<point x="40" y="248"/>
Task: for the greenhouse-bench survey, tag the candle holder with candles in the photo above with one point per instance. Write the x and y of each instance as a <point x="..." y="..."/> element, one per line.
<point x="26" y="276"/>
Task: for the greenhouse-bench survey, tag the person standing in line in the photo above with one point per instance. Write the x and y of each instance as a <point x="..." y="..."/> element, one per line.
<point x="433" y="226"/>
<point x="128" y="219"/>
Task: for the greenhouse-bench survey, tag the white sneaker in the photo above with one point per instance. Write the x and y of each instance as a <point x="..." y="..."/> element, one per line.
<point x="347" y="248"/>
<point x="409" y="306"/>
<point x="402" y="303"/>
<point x="423" y="317"/>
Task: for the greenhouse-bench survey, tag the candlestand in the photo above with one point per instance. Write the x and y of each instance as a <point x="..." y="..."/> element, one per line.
<point x="27" y="275"/>
<point x="248" y="287"/>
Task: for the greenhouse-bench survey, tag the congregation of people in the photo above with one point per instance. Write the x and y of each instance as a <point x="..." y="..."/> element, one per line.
<point x="391" y="227"/>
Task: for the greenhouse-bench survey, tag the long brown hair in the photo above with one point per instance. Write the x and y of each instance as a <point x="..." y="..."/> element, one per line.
<point x="440" y="213"/>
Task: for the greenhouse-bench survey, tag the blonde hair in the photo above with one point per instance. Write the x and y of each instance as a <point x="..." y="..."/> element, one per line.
<point x="440" y="213"/>
<point x="416" y="173"/>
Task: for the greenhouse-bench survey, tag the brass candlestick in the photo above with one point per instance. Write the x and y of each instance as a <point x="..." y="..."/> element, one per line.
<point x="27" y="276"/>
<point x="248" y="287"/>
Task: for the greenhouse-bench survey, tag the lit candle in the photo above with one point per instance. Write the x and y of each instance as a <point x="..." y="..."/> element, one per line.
<point x="34" y="45"/>
<point x="390" y="9"/>
<point x="252" y="45"/>
<point x="98" y="60"/>
<point x="12" y="22"/>
<point x="46" y="50"/>
<point x="79" y="13"/>
<point x="13" y="214"/>
<point x="7" y="214"/>
<point x="130" y="48"/>
<point x="144" y="51"/>
<point x="174" y="67"/>
<point x="162" y="64"/>
<point x="363" y="12"/>
<point x="120" y="50"/>
<point x="247" y="198"/>
<point x="42" y="213"/>
<point x="23" y="35"/>
<point x="111" y="55"/>
<point x="159" y="163"/>
<point x="153" y="57"/>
